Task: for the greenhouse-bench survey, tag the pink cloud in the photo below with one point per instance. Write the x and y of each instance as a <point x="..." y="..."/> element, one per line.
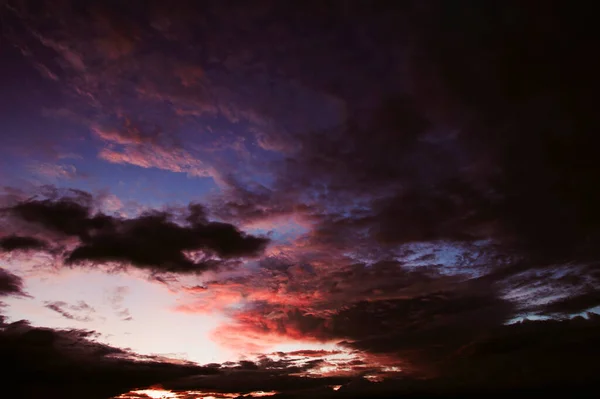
<point x="148" y="150"/>
<point x="179" y="161"/>
<point x="129" y="136"/>
<point x="252" y="333"/>
<point x="220" y="297"/>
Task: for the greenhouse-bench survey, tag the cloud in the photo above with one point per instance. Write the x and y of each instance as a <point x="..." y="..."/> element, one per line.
<point x="117" y="76"/>
<point x="116" y="298"/>
<point x="260" y="379"/>
<point x="251" y="203"/>
<point x="413" y="315"/>
<point x="574" y="304"/>
<point x="310" y="353"/>
<point x="154" y="240"/>
<point x="152" y="149"/>
<point x="174" y="161"/>
<point x="55" y="171"/>
<point x="10" y="284"/>
<point x="398" y="173"/>
<point x="516" y="359"/>
<point x="69" y="311"/>
<point x="528" y="354"/>
<point x="21" y="243"/>
<point x="480" y="153"/>
<point x="69" y="363"/>
<point x="418" y="330"/>
<point x="109" y="203"/>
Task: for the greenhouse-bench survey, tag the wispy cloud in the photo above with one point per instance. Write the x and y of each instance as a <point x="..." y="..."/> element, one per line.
<point x="147" y="150"/>
<point x="79" y="312"/>
<point x="55" y="172"/>
<point x="116" y="298"/>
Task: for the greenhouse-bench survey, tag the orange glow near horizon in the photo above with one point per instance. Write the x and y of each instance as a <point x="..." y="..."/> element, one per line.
<point x="157" y="393"/>
<point x="263" y="393"/>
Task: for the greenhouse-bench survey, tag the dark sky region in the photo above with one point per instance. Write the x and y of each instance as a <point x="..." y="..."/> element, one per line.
<point x="299" y="199"/>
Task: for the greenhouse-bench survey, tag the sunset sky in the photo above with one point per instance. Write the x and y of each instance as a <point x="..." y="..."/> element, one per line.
<point x="325" y="199"/>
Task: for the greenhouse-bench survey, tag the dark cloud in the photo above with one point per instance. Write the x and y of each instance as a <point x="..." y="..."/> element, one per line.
<point x="521" y="360"/>
<point x="488" y="145"/>
<point x="421" y="322"/>
<point x="310" y="353"/>
<point x="529" y="354"/>
<point x="10" y="284"/>
<point x="20" y="243"/>
<point x="247" y="381"/>
<point x="575" y="303"/>
<point x="529" y="118"/>
<point x="153" y="240"/>
<point x="70" y="364"/>
<point x="254" y="202"/>
<point x="478" y="145"/>
<point x="419" y="329"/>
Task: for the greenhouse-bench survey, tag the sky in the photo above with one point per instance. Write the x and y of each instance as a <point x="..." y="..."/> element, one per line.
<point x="325" y="199"/>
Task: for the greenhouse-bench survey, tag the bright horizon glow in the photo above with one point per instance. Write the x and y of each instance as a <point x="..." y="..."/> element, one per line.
<point x="151" y="330"/>
<point x="154" y="393"/>
<point x="147" y="302"/>
<point x="157" y="393"/>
